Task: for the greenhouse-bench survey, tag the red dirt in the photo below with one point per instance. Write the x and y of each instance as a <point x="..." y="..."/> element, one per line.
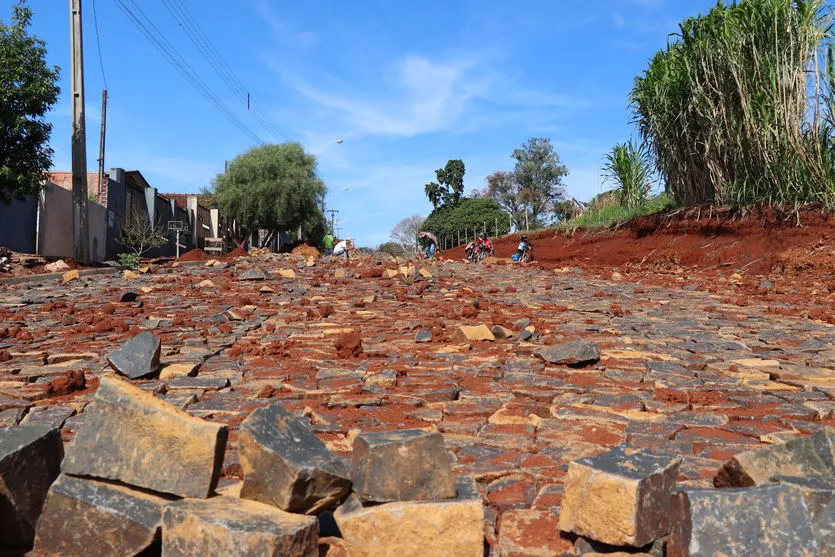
<point x="196" y="254"/>
<point x="238" y="252"/>
<point x="70" y="382"/>
<point x="348" y="345"/>
<point x="697" y="245"/>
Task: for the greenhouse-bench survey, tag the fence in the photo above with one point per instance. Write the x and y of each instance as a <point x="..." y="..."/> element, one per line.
<point x="469" y="234"/>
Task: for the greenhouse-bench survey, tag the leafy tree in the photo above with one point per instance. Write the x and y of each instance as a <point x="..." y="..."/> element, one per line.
<point x="272" y="187"/>
<point x="27" y="91"/>
<point x="534" y="186"/>
<point x="392" y="248"/>
<point x="539" y="174"/>
<point x="468" y="217"/>
<point x="406" y="231"/>
<point x="449" y="189"/>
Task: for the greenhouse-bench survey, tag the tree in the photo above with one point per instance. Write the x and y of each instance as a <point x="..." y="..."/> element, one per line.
<point x="469" y="217"/>
<point x="139" y="235"/>
<point x="392" y="248"/>
<point x="539" y="174"/>
<point x="534" y="186"/>
<point x="272" y="187"/>
<point x="27" y="91"/>
<point x="449" y="189"/>
<point x="406" y="231"/>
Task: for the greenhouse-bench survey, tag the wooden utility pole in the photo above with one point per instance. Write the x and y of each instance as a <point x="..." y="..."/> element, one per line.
<point x="101" y="141"/>
<point x="81" y="237"/>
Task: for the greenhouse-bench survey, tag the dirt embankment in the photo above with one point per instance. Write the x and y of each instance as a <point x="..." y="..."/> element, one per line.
<point x="761" y="250"/>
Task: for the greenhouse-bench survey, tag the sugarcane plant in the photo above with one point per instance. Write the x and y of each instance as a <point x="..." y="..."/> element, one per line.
<point x="735" y="109"/>
<point x="628" y="166"/>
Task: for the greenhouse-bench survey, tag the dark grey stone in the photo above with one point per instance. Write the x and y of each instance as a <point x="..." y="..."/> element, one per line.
<point x="128" y="296"/>
<point x="287" y="466"/>
<point x="204" y="383"/>
<point x="573" y="352"/>
<point x="30" y="460"/>
<point x="137" y="357"/>
<point x="408" y="465"/>
<point x="819" y="495"/>
<point x="766" y="521"/>
<point x="424" y="335"/>
<point x="54" y="416"/>
<point x="83" y="516"/>
<point x="254" y="274"/>
<point x="813" y="455"/>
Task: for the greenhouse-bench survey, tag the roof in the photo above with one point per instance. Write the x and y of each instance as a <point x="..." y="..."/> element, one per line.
<point x="181" y="199"/>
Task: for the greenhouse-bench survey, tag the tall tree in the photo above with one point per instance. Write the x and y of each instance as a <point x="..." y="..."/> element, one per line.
<point x="504" y="190"/>
<point x="272" y="187"/>
<point x="406" y="231"/>
<point x="539" y="173"/>
<point x="27" y="91"/>
<point x="449" y="189"/>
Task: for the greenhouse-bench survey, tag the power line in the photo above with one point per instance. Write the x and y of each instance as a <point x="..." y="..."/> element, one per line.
<point x="198" y="37"/>
<point x="147" y="27"/>
<point x="98" y="43"/>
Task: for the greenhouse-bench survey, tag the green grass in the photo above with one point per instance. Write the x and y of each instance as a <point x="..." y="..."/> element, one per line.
<point x="616" y="214"/>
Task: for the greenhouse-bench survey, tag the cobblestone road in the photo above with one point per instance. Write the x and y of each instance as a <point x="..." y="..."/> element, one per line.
<point x="680" y="372"/>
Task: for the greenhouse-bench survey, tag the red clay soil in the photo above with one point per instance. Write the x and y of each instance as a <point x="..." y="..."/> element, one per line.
<point x="701" y="241"/>
<point x="238" y="252"/>
<point x="348" y="345"/>
<point x="196" y="254"/>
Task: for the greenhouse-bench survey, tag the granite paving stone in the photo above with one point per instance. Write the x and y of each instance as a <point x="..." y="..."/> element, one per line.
<point x="680" y="373"/>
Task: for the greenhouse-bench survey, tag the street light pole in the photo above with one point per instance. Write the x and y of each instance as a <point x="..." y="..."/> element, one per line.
<point x="328" y="144"/>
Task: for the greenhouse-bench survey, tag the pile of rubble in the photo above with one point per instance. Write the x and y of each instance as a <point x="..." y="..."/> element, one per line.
<point x="141" y="475"/>
<point x="305" y="251"/>
<point x="781" y="502"/>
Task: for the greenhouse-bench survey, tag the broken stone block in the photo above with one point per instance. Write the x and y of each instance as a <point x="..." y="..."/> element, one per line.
<point x="254" y="274"/>
<point x="83" y="516"/>
<point x="475" y="332"/>
<point x="424" y="335"/>
<point x="287" y="273"/>
<point x="813" y="455"/>
<point x="137" y="357"/>
<point x="71" y="275"/>
<point x="131" y="436"/>
<point x="819" y="495"/>
<point x="409" y="465"/>
<point x="415" y="528"/>
<point x="621" y="497"/>
<point x="228" y="526"/>
<point x="30" y="460"/>
<point x="767" y="521"/>
<point x="286" y="465"/>
<point x="573" y="352"/>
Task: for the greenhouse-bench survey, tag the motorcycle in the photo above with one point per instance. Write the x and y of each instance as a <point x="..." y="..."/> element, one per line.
<point x="483" y="254"/>
<point x="527" y="253"/>
<point x="470" y="252"/>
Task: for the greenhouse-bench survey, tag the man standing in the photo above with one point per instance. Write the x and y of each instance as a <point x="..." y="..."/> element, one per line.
<point x="327" y="244"/>
<point x="430" y="244"/>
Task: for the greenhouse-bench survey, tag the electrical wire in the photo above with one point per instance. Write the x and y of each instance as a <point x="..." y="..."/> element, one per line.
<point x="151" y="32"/>
<point x="98" y="43"/>
<point x="201" y="41"/>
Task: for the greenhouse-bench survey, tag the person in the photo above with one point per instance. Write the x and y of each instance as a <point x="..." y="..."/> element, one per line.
<point x="523" y="245"/>
<point x="342" y="248"/>
<point x="487" y="247"/>
<point x="327" y="244"/>
<point x="430" y="244"/>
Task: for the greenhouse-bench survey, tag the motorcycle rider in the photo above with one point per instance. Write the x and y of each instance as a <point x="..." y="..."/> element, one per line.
<point x="523" y="245"/>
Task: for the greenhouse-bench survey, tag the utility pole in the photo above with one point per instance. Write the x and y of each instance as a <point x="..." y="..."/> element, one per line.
<point x="80" y="230"/>
<point x="101" y="140"/>
<point x="333" y="213"/>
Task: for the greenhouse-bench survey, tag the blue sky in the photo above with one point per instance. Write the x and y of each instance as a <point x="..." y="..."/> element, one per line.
<point x="405" y="85"/>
